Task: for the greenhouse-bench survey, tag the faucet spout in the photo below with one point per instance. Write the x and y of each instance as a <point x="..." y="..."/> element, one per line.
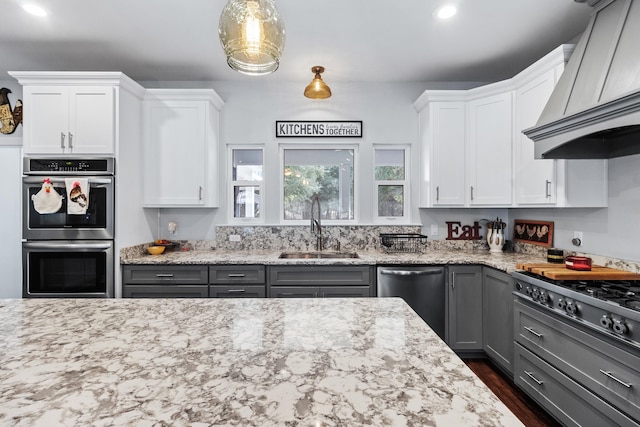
<point x="316" y="227"/>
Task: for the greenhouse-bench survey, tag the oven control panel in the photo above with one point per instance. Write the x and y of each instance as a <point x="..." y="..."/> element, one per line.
<point x="62" y="166"/>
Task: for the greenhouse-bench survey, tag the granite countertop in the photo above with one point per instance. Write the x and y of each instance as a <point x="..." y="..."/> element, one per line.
<point x="267" y="362"/>
<point x="502" y="261"/>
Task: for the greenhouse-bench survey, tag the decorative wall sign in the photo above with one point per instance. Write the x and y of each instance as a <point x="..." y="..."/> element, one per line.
<point x="314" y="129"/>
<point x="9" y="118"/>
<point x="457" y="231"/>
<point x="534" y="232"/>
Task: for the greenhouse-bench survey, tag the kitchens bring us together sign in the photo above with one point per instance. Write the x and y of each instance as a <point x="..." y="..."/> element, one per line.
<point x="351" y="129"/>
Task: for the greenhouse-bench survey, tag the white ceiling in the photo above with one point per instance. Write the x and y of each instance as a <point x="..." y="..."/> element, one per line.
<point x="356" y="40"/>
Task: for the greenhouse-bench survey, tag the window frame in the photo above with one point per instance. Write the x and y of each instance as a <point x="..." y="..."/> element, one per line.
<point x="406" y="184"/>
<point x="232" y="219"/>
<point x="356" y="188"/>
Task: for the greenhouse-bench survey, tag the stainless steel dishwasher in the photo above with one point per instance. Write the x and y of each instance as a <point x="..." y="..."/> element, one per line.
<point x="422" y="287"/>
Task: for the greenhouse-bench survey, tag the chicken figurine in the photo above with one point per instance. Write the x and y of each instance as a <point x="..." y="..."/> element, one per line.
<point x="47" y="200"/>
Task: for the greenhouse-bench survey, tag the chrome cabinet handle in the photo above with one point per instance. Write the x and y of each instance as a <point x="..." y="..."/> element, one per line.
<point x="453" y="280"/>
<point x="531" y="331"/>
<point x="437" y="193"/>
<point x="609" y="375"/>
<point x="70" y="140"/>
<point x="235" y="275"/>
<point x="200" y="193"/>
<point x="530" y="375"/>
<point x="231" y="291"/>
<point x="164" y="275"/>
<point x="547" y="189"/>
<point x="410" y="272"/>
<point x="472" y="192"/>
<point x="62" y="136"/>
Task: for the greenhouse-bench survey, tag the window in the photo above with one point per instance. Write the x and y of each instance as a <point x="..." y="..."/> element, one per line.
<point x="329" y="173"/>
<point x="391" y="182"/>
<point x="246" y="179"/>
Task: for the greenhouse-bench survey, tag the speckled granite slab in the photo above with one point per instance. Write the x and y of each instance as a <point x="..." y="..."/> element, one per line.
<point x="258" y="362"/>
<point x="501" y="261"/>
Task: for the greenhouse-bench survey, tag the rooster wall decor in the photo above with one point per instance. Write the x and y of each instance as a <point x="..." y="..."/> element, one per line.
<point x="9" y="118"/>
<point x="534" y="232"/>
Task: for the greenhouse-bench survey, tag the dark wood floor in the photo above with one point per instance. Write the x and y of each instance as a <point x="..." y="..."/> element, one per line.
<point x="520" y="404"/>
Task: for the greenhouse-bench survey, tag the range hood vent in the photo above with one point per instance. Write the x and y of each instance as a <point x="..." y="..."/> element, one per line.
<point x="594" y="110"/>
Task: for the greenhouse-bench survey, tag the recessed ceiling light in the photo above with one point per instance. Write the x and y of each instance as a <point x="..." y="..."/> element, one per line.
<point x="445" y="11"/>
<point x="34" y="9"/>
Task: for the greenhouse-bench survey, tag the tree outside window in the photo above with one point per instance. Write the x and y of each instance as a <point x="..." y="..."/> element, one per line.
<point x="329" y="173"/>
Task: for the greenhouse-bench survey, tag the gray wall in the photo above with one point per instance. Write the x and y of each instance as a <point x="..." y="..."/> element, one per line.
<point x="11" y="219"/>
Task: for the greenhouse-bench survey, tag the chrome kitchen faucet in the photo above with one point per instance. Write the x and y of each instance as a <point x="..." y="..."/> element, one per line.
<point x="316" y="227"/>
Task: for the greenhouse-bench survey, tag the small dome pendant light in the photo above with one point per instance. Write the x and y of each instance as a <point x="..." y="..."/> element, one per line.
<point x="317" y="89"/>
<point x="252" y="36"/>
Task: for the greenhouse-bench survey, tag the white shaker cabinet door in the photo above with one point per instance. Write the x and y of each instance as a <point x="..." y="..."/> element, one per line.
<point x="92" y="126"/>
<point x="490" y="141"/>
<point x="174" y="153"/>
<point x="535" y="179"/>
<point x="447" y="154"/>
<point x="45" y="119"/>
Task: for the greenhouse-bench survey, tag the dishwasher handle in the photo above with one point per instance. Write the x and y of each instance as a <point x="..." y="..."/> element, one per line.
<point x="411" y="272"/>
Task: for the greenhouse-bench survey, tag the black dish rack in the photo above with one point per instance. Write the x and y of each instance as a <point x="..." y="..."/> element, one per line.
<point x="403" y="243"/>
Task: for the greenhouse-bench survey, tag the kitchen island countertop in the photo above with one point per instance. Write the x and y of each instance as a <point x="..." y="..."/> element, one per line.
<point x="312" y="362"/>
<point x="502" y="261"/>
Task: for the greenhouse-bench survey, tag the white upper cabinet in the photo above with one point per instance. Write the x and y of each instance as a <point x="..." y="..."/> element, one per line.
<point x="549" y="182"/>
<point x="70" y="112"/>
<point x="180" y="135"/>
<point x="535" y="178"/>
<point x="490" y="141"/>
<point x="442" y="124"/>
<point x="473" y="151"/>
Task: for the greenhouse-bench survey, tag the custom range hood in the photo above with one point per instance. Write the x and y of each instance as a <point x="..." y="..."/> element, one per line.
<point x="594" y="110"/>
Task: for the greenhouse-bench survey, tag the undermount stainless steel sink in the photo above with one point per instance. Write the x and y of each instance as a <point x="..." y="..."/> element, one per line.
<point x="318" y="255"/>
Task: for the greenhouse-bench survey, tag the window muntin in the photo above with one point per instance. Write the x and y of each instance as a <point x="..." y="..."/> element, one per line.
<point x="247" y="180"/>
<point x="326" y="172"/>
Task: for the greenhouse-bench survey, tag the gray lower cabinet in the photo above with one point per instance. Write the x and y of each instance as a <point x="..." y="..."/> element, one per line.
<point x="320" y="281"/>
<point x="464" y="307"/>
<point x="175" y="281"/>
<point x="549" y="352"/>
<point x="497" y="313"/>
<point x="237" y="281"/>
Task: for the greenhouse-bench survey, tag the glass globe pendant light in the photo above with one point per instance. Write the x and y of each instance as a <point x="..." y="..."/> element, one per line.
<point x="252" y="36"/>
<point x="317" y="89"/>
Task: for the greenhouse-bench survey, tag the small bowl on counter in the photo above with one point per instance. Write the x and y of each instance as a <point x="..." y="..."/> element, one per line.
<point x="155" y="250"/>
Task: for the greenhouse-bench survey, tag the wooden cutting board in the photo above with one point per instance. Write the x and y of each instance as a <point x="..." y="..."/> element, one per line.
<point x="560" y="272"/>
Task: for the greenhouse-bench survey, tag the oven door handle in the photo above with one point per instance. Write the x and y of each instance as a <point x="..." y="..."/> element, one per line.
<point x="38" y="180"/>
<point x="58" y="245"/>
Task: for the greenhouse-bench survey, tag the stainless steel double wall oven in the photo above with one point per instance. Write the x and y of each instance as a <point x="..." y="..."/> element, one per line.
<point x="68" y="252"/>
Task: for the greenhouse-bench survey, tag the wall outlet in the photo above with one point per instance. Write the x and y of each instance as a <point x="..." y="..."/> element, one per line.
<point x="234" y="237"/>
<point x="434" y="229"/>
<point x="172" y="226"/>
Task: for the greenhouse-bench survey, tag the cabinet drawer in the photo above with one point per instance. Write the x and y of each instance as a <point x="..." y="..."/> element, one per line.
<point x="605" y="369"/>
<point x="152" y="274"/>
<point x="569" y="402"/>
<point x="227" y="274"/>
<point x="319" y="275"/>
<point x="165" y="291"/>
<point x="239" y="291"/>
